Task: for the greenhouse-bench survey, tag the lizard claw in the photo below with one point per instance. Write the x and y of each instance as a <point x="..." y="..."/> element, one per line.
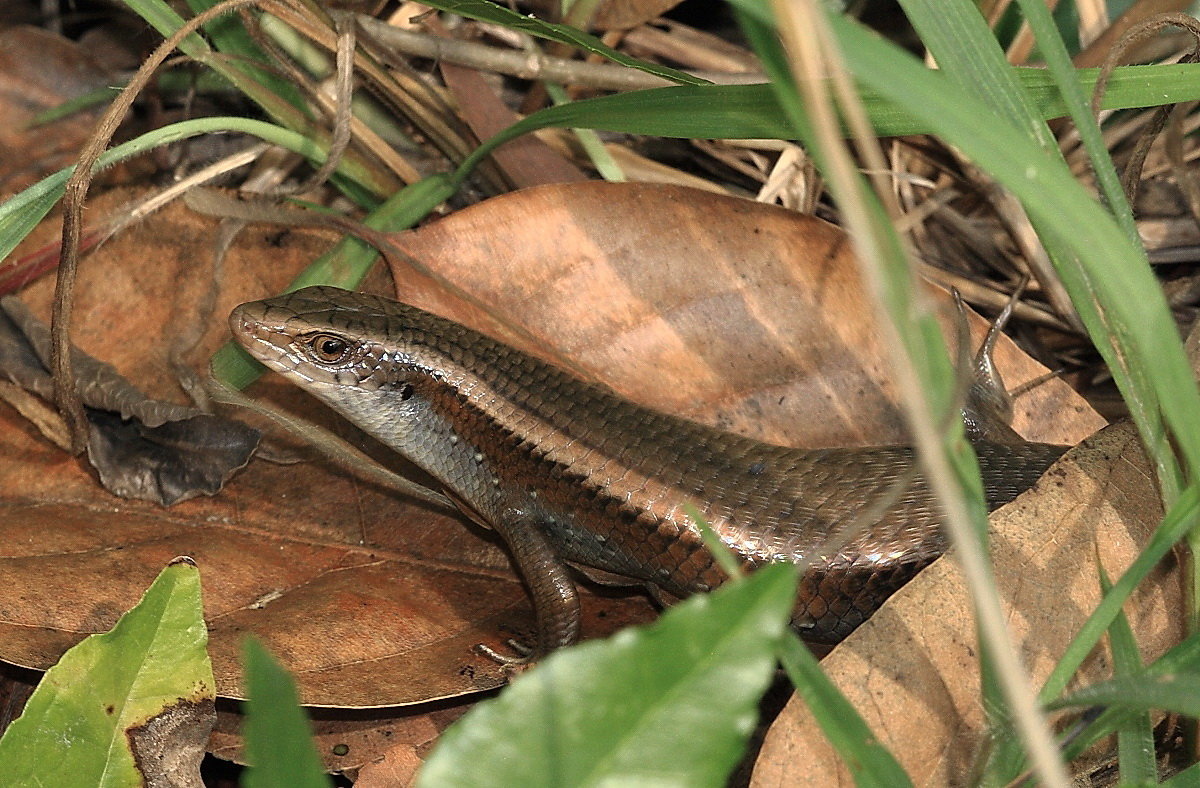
<point x="526" y="656"/>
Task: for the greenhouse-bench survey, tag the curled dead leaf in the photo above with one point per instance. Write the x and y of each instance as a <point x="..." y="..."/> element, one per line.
<point x="141" y="448"/>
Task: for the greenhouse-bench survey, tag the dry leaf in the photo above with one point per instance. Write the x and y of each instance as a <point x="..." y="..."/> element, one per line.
<point x="38" y="72"/>
<point x="624" y="14"/>
<point x="734" y="313"/>
<point x="912" y="669"/>
<point x="373" y="741"/>
<point x="525" y="161"/>
<point x="141" y="448"/>
<point x="370" y="600"/>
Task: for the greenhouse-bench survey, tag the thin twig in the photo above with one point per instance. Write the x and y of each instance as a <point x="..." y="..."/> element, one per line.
<point x="66" y="398"/>
<point x="524" y="65"/>
<point x="1131" y="177"/>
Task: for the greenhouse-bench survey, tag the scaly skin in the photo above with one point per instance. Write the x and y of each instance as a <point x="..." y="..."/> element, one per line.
<point x="569" y="472"/>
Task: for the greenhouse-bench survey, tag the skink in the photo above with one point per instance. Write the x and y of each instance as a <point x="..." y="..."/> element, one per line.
<point x="570" y="473"/>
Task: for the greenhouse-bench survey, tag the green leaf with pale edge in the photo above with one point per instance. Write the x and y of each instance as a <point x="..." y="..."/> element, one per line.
<point x="78" y="725"/>
<point x="668" y="704"/>
<point x="279" y="745"/>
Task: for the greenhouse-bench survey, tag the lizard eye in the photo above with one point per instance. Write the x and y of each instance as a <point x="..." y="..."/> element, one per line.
<point x="327" y="348"/>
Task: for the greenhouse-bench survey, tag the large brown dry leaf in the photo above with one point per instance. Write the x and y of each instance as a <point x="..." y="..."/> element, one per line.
<point x="912" y="670"/>
<point x="731" y="312"/>
<point x="370" y="600"/>
<point x="728" y="311"/>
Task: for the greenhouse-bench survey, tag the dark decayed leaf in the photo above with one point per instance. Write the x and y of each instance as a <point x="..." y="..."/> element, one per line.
<point x="169" y="463"/>
<point x="141" y="448"/>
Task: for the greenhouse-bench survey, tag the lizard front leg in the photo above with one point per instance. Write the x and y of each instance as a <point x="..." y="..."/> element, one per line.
<point x="555" y="597"/>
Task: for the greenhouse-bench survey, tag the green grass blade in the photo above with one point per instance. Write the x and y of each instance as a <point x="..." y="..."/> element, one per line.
<point x="1058" y="62"/>
<point x="1130" y="87"/>
<point x="163" y="18"/>
<point x="241" y="65"/>
<point x="1178" y="692"/>
<point x="1135" y="736"/>
<point x="1181" y="658"/>
<point x="231" y="37"/>
<point x="1135" y="333"/>
<point x="968" y="54"/>
<point x="923" y="366"/>
<point x="1177" y="523"/>
<point x="279" y="745"/>
<point x="869" y="762"/>
<point x="112" y="691"/>
<point x="93" y="98"/>
<point x="1107" y="285"/>
<point x="753" y="112"/>
<point x="550" y="31"/>
<point x="21" y="212"/>
<point x="668" y="704"/>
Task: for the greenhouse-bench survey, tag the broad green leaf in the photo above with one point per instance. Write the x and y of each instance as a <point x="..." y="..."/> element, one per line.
<point x="113" y="693"/>
<point x="279" y="745"/>
<point x="668" y="704"/>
